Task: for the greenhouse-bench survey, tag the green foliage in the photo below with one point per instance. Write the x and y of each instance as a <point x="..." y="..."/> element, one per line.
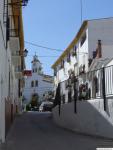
<point x="34" y="100"/>
<point x="28" y="108"/>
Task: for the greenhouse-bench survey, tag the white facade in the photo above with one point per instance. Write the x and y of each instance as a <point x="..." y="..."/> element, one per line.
<point x="90" y="119"/>
<point x="37" y="83"/>
<point x="8" y="79"/>
<point x="84" y="45"/>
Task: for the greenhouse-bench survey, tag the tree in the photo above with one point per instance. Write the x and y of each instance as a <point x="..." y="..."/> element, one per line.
<point x="34" y="100"/>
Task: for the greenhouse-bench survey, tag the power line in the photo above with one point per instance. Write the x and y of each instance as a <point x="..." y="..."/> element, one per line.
<point x="81" y="10"/>
<point x="33" y="44"/>
<point x="42" y="56"/>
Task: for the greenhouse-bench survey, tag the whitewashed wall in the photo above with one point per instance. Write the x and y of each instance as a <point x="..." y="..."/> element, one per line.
<point x="41" y="89"/>
<point x="6" y="65"/>
<point x="80" y="59"/>
<point x="83" y="51"/>
<point x="109" y="79"/>
<point x="3" y="79"/>
<point x="100" y="29"/>
<point x="90" y="117"/>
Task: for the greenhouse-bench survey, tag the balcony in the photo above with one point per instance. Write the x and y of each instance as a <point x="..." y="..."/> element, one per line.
<point x="81" y="69"/>
<point x="19" y="3"/>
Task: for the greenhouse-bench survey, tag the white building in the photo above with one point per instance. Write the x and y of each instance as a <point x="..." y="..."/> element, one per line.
<point x="81" y="51"/>
<point x="93" y="116"/>
<point x="11" y="62"/>
<point x="96" y="68"/>
<point x="36" y="82"/>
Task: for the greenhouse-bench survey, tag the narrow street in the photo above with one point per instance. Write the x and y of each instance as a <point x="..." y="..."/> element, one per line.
<point x="37" y="131"/>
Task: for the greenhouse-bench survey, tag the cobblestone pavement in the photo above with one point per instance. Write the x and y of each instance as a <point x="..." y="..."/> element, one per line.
<point x="37" y="131"/>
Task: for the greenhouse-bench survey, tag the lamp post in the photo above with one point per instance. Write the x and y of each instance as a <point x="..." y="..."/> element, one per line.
<point x="25" y="53"/>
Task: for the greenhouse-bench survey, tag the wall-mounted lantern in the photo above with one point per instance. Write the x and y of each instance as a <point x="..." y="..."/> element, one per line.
<point x="25" y="53"/>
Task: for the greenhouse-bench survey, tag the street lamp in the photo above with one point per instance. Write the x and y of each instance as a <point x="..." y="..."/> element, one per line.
<point x="25" y="53"/>
<point x="25" y="2"/>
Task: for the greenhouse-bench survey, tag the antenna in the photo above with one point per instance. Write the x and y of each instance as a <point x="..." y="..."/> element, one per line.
<point x="81" y="10"/>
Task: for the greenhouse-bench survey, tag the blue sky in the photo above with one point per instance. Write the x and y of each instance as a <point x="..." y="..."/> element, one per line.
<point x="54" y="23"/>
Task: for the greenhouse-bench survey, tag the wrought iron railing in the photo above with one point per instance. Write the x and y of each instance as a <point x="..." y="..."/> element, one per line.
<point x="10" y="20"/>
<point x="96" y="84"/>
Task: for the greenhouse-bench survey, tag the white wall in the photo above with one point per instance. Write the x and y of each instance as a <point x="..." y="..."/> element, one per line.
<point x="6" y="65"/>
<point x="3" y="82"/>
<point x="82" y="51"/>
<point x="80" y="59"/>
<point x="107" y="51"/>
<point x="90" y="117"/>
<point x="41" y="89"/>
<point x="110" y="63"/>
<point x="100" y="29"/>
<point x="62" y="74"/>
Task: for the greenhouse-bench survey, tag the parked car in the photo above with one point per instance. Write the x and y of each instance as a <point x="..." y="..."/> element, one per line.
<point x="46" y="106"/>
<point x="35" y="108"/>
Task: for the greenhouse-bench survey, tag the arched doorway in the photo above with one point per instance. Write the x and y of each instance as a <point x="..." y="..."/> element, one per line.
<point x="34" y="100"/>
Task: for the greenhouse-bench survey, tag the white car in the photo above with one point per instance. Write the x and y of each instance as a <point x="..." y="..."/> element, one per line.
<point x="41" y="108"/>
<point x="46" y="106"/>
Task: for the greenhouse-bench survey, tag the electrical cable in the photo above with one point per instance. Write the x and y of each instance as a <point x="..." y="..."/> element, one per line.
<point x="34" y="44"/>
<point x="42" y="56"/>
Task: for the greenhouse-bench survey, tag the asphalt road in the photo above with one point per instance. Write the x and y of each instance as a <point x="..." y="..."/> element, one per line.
<point x="37" y="131"/>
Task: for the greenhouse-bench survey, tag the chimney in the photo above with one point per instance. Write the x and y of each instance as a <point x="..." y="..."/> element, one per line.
<point x="99" y="50"/>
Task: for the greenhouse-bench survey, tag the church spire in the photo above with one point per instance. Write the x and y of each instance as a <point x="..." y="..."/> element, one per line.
<point x="36" y="65"/>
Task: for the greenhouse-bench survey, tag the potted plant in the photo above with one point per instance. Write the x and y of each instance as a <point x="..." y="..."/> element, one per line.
<point x="74" y="54"/>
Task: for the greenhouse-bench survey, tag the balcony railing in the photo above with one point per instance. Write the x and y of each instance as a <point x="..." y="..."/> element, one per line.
<point x="10" y="21"/>
<point x="19" y="3"/>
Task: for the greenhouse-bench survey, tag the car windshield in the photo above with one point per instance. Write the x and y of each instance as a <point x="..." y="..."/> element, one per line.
<point x="46" y="103"/>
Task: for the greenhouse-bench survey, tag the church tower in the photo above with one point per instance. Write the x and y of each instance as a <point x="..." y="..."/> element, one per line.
<point x="36" y="65"/>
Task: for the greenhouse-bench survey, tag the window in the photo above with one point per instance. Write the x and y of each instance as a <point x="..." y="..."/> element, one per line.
<point x="94" y="54"/>
<point x="74" y="53"/>
<point x="40" y="68"/>
<point x="83" y="38"/>
<point x="32" y="84"/>
<point x="62" y="64"/>
<point x="68" y="58"/>
<point x="75" y="48"/>
<point x="55" y="72"/>
<point x="36" y="83"/>
<point x="35" y="69"/>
